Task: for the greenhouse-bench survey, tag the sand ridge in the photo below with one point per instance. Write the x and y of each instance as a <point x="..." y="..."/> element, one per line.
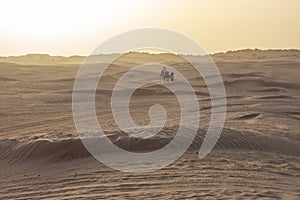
<point x="257" y="155"/>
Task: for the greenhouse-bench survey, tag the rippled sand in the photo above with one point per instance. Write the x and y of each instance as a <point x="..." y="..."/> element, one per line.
<point x="257" y="155"/>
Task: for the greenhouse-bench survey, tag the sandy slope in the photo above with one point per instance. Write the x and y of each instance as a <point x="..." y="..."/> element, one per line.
<point x="257" y="155"/>
<point x="223" y="175"/>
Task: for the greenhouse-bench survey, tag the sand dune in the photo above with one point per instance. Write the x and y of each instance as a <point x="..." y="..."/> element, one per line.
<point x="134" y="58"/>
<point x="257" y="155"/>
<point x="65" y="148"/>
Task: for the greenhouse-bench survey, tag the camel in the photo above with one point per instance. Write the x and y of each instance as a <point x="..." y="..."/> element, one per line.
<point x="166" y="76"/>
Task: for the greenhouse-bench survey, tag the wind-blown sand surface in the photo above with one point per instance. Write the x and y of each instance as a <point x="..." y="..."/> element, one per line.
<point x="257" y="155"/>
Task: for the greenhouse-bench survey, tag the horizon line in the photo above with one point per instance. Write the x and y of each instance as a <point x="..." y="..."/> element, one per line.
<point x="151" y="53"/>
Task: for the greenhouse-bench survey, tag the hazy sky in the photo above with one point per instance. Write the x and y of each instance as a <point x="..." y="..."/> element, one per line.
<point x="77" y="27"/>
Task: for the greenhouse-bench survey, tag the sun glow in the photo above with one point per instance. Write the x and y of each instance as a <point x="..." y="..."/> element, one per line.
<point x="49" y="24"/>
<point x="77" y="27"/>
<point x="39" y="18"/>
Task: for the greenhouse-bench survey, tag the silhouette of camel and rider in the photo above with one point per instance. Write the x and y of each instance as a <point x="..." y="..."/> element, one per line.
<point x="166" y="76"/>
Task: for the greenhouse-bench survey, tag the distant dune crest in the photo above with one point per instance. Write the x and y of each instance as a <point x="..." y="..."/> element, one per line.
<point x="239" y="54"/>
<point x="259" y="54"/>
<point x="42" y="59"/>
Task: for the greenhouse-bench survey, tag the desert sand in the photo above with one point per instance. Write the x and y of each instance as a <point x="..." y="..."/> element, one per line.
<point x="257" y="155"/>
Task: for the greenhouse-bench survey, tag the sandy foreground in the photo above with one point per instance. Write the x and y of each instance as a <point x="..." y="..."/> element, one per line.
<point x="257" y="156"/>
